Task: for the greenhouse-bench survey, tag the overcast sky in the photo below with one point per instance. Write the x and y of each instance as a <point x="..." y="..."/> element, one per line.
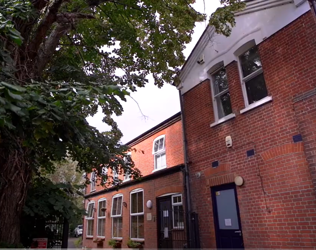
<point x="156" y="104"/>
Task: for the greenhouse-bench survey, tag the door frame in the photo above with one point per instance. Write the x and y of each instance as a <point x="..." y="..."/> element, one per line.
<point x="214" y="189"/>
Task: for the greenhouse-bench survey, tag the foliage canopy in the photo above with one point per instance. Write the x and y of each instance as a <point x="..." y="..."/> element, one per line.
<point x="60" y="61"/>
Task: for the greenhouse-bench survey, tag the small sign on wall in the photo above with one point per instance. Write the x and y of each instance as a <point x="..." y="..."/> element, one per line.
<point x="228" y="222"/>
<point x="149" y="216"/>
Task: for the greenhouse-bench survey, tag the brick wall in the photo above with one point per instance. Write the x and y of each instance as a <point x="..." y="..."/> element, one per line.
<point x="277" y="202"/>
<point x="142" y="151"/>
<point x="144" y="160"/>
<point x="172" y="183"/>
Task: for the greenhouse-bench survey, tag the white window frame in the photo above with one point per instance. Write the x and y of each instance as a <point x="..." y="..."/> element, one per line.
<point x="101" y="217"/>
<point x="177" y="204"/>
<point x="138" y="190"/>
<point x="159" y="152"/>
<point x="243" y="49"/>
<point x="127" y="177"/>
<point x="214" y="98"/>
<point x="117" y="215"/>
<point x="90" y="218"/>
<point x="93" y="183"/>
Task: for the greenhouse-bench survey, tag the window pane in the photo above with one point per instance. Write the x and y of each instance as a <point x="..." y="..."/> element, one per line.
<point x="104" y="170"/>
<point x="134" y="227"/>
<point x="90" y="210"/>
<point x="140" y="202"/>
<point x="224" y="105"/>
<point x="140" y="226"/>
<point x="250" y="61"/>
<point x="114" y="206"/>
<point x="90" y="224"/>
<point x="119" y="205"/>
<point x="158" y="161"/>
<point x="102" y="204"/>
<point x="156" y="146"/>
<point x="163" y="160"/>
<point x="220" y="81"/>
<point x="178" y="217"/>
<point x="117" y="227"/>
<point x="101" y="227"/>
<point x="161" y="143"/>
<point x="134" y="203"/>
<point x="256" y="89"/>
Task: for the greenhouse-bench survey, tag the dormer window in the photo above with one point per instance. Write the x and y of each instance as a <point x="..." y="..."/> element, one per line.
<point x="254" y="86"/>
<point x="127" y="172"/>
<point x="159" y="152"/>
<point x="93" y="180"/>
<point x="221" y="97"/>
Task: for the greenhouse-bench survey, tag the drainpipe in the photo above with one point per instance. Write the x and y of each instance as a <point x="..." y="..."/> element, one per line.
<point x="313" y="5"/>
<point x="186" y="181"/>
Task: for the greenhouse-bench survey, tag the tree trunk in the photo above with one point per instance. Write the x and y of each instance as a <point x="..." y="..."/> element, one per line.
<point x="15" y="176"/>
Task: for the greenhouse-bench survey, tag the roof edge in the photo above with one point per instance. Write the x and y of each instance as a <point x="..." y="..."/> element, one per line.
<point x="176" y="117"/>
<point x="154" y="175"/>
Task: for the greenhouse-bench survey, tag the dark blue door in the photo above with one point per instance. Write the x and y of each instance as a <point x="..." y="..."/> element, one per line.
<point x="226" y="217"/>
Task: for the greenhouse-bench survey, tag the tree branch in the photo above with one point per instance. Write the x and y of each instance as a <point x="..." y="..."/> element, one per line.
<point x="43" y="28"/>
<point x="48" y="48"/>
<point x="68" y="17"/>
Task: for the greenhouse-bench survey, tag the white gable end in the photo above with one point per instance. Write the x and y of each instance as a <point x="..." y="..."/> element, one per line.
<point x="258" y="21"/>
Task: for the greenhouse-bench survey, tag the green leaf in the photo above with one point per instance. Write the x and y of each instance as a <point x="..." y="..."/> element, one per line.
<point x="14" y="96"/>
<point x="14" y="87"/>
<point x="2" y="101"/>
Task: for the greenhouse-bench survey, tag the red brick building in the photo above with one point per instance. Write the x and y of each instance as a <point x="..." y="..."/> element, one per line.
<point x="149" y="210"/>
<point x="249" y="110"/>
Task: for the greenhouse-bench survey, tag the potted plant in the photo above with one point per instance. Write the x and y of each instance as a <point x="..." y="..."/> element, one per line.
<point x="99" y="241"/>
<point x="134" y="244"/>
<point x="115" y="243"/>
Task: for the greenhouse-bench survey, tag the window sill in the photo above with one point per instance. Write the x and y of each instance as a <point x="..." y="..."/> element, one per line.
<point x="155" y="170"/>
<point x="89" y="237"/>
<point x="256" y="104"/>
<point x="224" y="119"/>
<point x="138" y="240"/>
<point x="117" y="238"/>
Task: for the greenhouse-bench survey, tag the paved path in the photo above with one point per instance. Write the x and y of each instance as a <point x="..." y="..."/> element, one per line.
<point x="71" y="242"/>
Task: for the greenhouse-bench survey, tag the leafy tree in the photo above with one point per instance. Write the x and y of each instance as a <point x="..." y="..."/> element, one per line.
<point x="60" y="61"/>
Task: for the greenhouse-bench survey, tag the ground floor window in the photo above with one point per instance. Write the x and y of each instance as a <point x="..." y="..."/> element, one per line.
<point x="90" y="219"/>
<point x="101" y="217"/>
<point x="116" y="215"/>
<point x="137" y="214"/>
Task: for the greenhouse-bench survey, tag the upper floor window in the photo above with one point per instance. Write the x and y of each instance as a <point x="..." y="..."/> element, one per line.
<point x="127" y="174"/>
<point x="253" y="83"/>
<point x="137" y="214"/>
<point x="221" y="97"/>
<point x="101" y="217"/>
<point x="93" y="180"/>
<point x="104" y="173"/>
<point x="116" y="215"/>
<point x="116" y="179"/>
<point x="90" y="219"/>
<point x="159" y="152"/>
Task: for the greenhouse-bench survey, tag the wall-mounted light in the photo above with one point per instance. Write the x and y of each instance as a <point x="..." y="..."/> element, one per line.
<point x="149" y="204"/>
<point x="239" y="181"/>
<point x="124" y="204"/>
